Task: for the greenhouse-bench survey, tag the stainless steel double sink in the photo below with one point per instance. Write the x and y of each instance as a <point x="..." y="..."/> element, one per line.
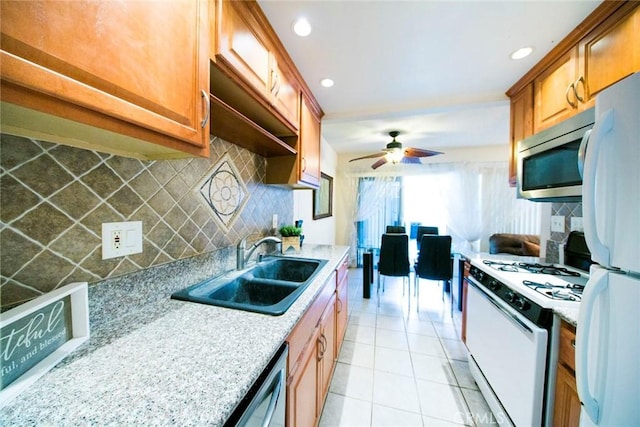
<point x="270" y="287"/>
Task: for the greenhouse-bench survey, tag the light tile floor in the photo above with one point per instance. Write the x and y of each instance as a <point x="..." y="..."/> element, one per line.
<point x="402" y="367"/>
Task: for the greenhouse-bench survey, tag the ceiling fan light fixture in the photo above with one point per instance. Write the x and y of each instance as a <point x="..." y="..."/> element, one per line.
<point x="395" y="156"/>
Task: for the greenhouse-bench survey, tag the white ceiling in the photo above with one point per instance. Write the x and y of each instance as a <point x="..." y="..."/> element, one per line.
<point x="435" y="70"/>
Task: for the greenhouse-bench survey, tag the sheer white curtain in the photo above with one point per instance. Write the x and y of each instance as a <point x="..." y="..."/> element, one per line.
<point x="475" y="198"/>
<point x="374" y="200"/>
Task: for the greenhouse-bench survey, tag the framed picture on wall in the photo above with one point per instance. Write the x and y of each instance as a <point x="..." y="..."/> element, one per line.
<point x="323" y="198"/>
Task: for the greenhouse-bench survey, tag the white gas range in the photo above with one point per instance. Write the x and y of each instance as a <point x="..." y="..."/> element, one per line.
<point x="511" y="335"/>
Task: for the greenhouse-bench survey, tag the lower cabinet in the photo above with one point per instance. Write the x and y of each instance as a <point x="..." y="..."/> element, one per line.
<point x="314" y="345"/>
<point x="566" y="412"/>
<point x="302" y="386"/>
<point x="327" y="352"/>
<point x="342" y="309"/>
<point x="463" y="331"/>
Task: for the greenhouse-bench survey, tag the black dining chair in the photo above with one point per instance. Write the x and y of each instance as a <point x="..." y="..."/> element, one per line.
<point x="434" y="262"/>
<point x="395" y="229"/>
<point x="422" y="230"/>
<point x="394" y="259"/>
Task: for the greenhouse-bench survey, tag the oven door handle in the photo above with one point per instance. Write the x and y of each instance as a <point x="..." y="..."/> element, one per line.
<point x="509" y="315"/>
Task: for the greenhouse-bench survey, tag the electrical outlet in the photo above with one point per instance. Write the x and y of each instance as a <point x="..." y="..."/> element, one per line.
<point x="121" y="238"/>
<point x="576" y="224"/>
<point x="116" y="239"/>
<point x="274" y="221"/>
<point x="557" y="223"/>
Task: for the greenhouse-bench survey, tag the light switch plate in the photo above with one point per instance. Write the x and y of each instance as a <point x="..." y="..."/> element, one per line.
<point x="121" y="238"/>
<point x="557" y="223"/>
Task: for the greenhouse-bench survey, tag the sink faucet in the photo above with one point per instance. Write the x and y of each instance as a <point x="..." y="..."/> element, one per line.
<point x="241" y="258"/>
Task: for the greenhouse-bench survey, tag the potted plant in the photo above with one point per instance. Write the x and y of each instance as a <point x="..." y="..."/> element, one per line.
<point x="290" y="237"/>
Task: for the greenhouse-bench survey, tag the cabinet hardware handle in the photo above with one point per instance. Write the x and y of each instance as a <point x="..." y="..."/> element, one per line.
<point x="575" y="88"/>
<point x="573" y="343"/>
<point x="276" y="89"/>
<point x="319" y="349"/>
<point x="207" y="107"/>
<point x="273" y="80"/>
<point x="304" y="164"/>
<point x="322" y="340"/>
<point x="571" y="88"/>
<point x="340" y="306"/>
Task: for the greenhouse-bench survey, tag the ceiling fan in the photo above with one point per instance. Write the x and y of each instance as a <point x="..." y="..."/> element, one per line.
<point x="394" y="153"/>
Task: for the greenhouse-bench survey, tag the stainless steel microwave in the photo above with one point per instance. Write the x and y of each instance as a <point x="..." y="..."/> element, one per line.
<point x="550" y="162"/>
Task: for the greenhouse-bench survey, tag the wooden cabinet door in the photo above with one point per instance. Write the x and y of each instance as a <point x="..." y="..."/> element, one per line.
<point x="566" y="412"/>
<point x="342" y="301"/>
<point x="342" y="310"/>
<point x="465" y="285"/>
<point x="243" y="46"/>
<point x="111" y="64"/>
<point x="555" y="99"/>
<point x="309" y="145"/>
<point x="610" y="53"/>
<point x="327" y="356"/>
<point x="285" y="93"/>
<point x="303" y="385"/>
<point x="521" y="126"/>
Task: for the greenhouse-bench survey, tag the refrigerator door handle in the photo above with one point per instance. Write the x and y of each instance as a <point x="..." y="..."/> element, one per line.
<point x="582" y="152"/>
<point x="604" y="124"/>
<point x="598" y="283"/>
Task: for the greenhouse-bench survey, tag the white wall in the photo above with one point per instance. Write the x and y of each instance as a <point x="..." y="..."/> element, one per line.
<point x="322" y="231"/>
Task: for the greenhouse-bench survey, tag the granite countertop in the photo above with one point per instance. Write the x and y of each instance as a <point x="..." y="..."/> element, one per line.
<point x="570" y="315"/>
<point x="191" y="366"/>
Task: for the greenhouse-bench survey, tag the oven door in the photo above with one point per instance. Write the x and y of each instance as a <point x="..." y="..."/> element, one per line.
<point x="507" y="358"/>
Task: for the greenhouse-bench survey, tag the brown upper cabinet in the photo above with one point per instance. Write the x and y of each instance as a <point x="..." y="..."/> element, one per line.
<point x="600" y="51"/>
<point x="247" y="51"/>
<point x="521" y="125"/>
<point x="128" y="78"/>
<point x="259" y="99"/>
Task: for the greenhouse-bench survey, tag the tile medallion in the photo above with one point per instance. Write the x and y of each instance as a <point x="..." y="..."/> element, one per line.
<point x="224" y="192"/>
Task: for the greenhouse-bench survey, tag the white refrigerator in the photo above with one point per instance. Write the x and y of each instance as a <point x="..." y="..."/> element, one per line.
<point x="608" y="331"/>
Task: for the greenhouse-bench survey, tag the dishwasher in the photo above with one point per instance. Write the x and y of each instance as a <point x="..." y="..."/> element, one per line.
<point x="264" y="405"/>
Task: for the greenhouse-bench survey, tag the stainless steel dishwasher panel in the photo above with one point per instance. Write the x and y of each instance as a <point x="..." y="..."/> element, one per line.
<point x="265" y="403"/>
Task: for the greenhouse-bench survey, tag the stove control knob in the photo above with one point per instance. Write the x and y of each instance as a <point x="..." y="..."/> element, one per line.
<point x="480" y="275"/>
<point x="494" y="285"/>
<point x="511" y="297"/>
<point x="521" y="303"/>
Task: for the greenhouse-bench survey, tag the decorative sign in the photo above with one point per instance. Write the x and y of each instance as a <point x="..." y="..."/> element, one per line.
<point x="36" y="335"/>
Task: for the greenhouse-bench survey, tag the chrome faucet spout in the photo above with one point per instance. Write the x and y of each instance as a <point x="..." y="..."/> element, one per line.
<point x="242" y="258"/>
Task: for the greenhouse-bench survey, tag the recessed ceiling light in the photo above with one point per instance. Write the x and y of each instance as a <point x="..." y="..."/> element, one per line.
<point x="326" y="82"/>
<point x="522" y="53"/>
<point x="302" y="27"/>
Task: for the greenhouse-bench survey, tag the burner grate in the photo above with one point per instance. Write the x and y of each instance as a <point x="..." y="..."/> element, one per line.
<point x="547" y="269"/>
<point x="569" y="292"/>
<point x="535" y="268"/>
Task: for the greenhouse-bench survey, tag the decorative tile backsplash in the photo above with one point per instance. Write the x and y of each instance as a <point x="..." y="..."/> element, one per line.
<point x="54" y="199"/>
<point x="224" y="192"/>
<point x="557" y="240"/>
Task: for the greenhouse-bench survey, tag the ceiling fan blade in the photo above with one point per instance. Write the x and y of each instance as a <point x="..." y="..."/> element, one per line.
<point x="370" y="156"/>
<point x="379" y="163"/>
<point x="418" y="152"/>
<point x="411" y="160"/>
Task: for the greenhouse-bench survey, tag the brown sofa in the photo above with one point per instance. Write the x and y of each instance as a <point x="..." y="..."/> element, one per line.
<point x="515" y="244"/>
